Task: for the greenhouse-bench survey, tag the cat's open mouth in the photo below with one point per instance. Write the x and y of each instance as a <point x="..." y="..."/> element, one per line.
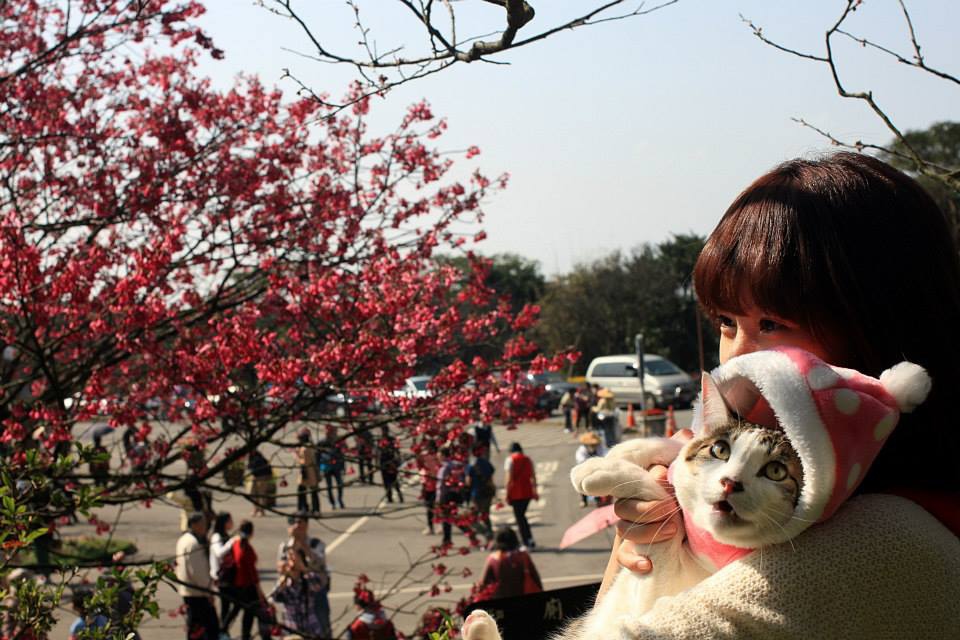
<point x="724" y="507"/>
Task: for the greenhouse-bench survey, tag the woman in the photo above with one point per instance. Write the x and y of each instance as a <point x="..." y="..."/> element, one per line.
<point x="308" y="479"/>
<point x="262" y="490"/>
<point x="849" y="259"/>
<point x="221" y="543"/>
<point x="509" y="571"/>
<point x="247" y="582"/>
<point x="429" y="467"/>
<point x="296" y="590"/>
<point x="521" y="489"/>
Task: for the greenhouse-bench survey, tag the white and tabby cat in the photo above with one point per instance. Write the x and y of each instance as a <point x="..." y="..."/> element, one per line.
<point x="742" y="486"/>
<point x="740" y="483"/>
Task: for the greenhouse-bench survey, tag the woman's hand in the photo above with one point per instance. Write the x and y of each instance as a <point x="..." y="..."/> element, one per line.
<point x="643" y="523"/>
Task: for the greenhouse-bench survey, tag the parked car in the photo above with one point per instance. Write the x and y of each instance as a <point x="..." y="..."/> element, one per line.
<point x="415" y="387"/>
<point x="554" y="386"/>
<point x="664" y="382"/>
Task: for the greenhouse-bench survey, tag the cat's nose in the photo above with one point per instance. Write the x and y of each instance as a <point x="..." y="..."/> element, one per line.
<point x="730" y="486"/>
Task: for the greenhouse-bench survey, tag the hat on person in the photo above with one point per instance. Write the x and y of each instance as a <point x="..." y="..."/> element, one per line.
<point x="604" y="393"/>
<point x="590" y="438"/>
<point x="837" y="419"/>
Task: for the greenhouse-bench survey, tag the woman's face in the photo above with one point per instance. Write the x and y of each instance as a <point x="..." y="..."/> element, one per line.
<point x="756" y="330"/>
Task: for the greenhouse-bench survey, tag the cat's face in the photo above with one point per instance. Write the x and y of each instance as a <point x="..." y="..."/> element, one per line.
<point x="741" y="483"/>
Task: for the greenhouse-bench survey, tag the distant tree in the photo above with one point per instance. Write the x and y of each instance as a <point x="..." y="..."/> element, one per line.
<point x="509" y="275"/>
<point x="940" y="144"/>
<point x="599" y="307"/>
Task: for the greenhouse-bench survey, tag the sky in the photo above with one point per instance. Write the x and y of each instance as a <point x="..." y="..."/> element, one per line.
<point x="623" y="133"/>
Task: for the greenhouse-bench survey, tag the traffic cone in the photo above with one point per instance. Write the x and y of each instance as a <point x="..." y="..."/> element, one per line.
<point x="631" y="419"/>
<point x="671" y="422"/>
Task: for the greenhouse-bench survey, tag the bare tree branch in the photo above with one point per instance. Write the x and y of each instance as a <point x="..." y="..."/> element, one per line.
<point x="379" y="72"/>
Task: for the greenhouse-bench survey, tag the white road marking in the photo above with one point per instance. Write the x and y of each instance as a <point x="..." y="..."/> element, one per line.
<point x="587" y="577"/>
<point x="353" y="528"/>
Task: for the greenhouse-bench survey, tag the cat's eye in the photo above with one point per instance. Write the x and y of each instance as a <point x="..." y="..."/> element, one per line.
<point x="720" y="450"/>
<point x="775" y="471"/>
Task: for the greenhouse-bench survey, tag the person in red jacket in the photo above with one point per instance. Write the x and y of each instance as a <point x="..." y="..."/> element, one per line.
<point x="521" y="489"/>
<point x="247" y="581"/>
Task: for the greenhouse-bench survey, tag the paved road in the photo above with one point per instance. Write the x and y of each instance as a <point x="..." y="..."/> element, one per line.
<point x="384" y="540"/>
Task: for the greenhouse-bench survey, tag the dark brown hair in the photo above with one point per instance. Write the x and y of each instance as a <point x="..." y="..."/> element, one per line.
<point x="860" y="255"/>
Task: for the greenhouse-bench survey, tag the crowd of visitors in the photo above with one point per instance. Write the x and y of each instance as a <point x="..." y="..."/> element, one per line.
<point x="216" y="561"/>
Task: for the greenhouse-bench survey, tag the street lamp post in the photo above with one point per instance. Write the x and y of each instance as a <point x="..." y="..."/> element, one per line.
<point x="638" y="342"/>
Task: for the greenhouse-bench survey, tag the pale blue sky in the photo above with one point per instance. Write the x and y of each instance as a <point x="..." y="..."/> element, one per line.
<point x="623" y="133"/>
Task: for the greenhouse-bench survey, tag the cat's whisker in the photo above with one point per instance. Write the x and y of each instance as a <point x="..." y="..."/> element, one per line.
<point x="790" y="540"/>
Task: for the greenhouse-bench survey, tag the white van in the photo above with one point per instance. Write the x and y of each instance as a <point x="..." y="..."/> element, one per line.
<point x="665" y="383"/>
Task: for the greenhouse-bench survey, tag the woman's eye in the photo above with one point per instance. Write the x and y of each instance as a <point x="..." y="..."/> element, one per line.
<point x="767" y="325"/>
<point x="775" y="471"/>
<point x="720" y="450"/>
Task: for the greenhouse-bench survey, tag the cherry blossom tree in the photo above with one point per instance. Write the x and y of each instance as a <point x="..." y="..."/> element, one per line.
<point x="202" y="269"/>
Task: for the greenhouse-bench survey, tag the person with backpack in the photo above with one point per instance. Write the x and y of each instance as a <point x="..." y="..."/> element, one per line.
<point x="372" y="623"/>
<point x="451" y="490"/>
<point x="483" y="489"/>
<point x="330" y="462"/>
<point x="314" y="576"/>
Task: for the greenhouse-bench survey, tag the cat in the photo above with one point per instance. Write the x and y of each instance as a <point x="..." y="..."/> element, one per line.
<point x="814" y="431"/>
<point x="740" y="482"/>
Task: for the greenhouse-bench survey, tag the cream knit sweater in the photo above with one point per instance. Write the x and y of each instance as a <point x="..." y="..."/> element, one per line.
<point x="881" y="567"/>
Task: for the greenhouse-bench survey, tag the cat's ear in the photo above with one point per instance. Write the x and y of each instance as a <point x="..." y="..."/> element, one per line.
<point x="716" y="413"/>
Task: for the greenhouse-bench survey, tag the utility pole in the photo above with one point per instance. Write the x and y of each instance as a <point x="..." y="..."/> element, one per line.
<point x="638" y="343"/>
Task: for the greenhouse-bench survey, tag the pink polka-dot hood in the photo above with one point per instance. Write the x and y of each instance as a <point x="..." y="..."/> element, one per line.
<point x="836" y="419"/>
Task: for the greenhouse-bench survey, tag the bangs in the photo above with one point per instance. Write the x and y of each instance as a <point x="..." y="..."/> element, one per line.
<point x="770" y="251"/>
<point x="751" y="259"/>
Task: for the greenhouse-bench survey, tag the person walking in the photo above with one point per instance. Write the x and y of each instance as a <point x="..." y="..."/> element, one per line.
<point x="583" y="401"/>
<point x="223" y="573"/>
<point x="429" y="467"/>
<point x="482" y="490"/>
<point x="262" y="490"/>
<point x="590" y="446"/>
<point x="311" y="554"/>
<point x="247" y="581"/>
<point x="521" y="489"/>
<point x="194" y="583"/>
<point x="484" y="436"/>
<point x="567" y="405"/>
<point x="390" y="467"/>
<point x="451" y="485"/>
<point x="508" y="571"/>
<point x="331" y="463"/>
<point x="308" y="479"/>
<point x="604" y="417"/>
<point x="365" y="454"/>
